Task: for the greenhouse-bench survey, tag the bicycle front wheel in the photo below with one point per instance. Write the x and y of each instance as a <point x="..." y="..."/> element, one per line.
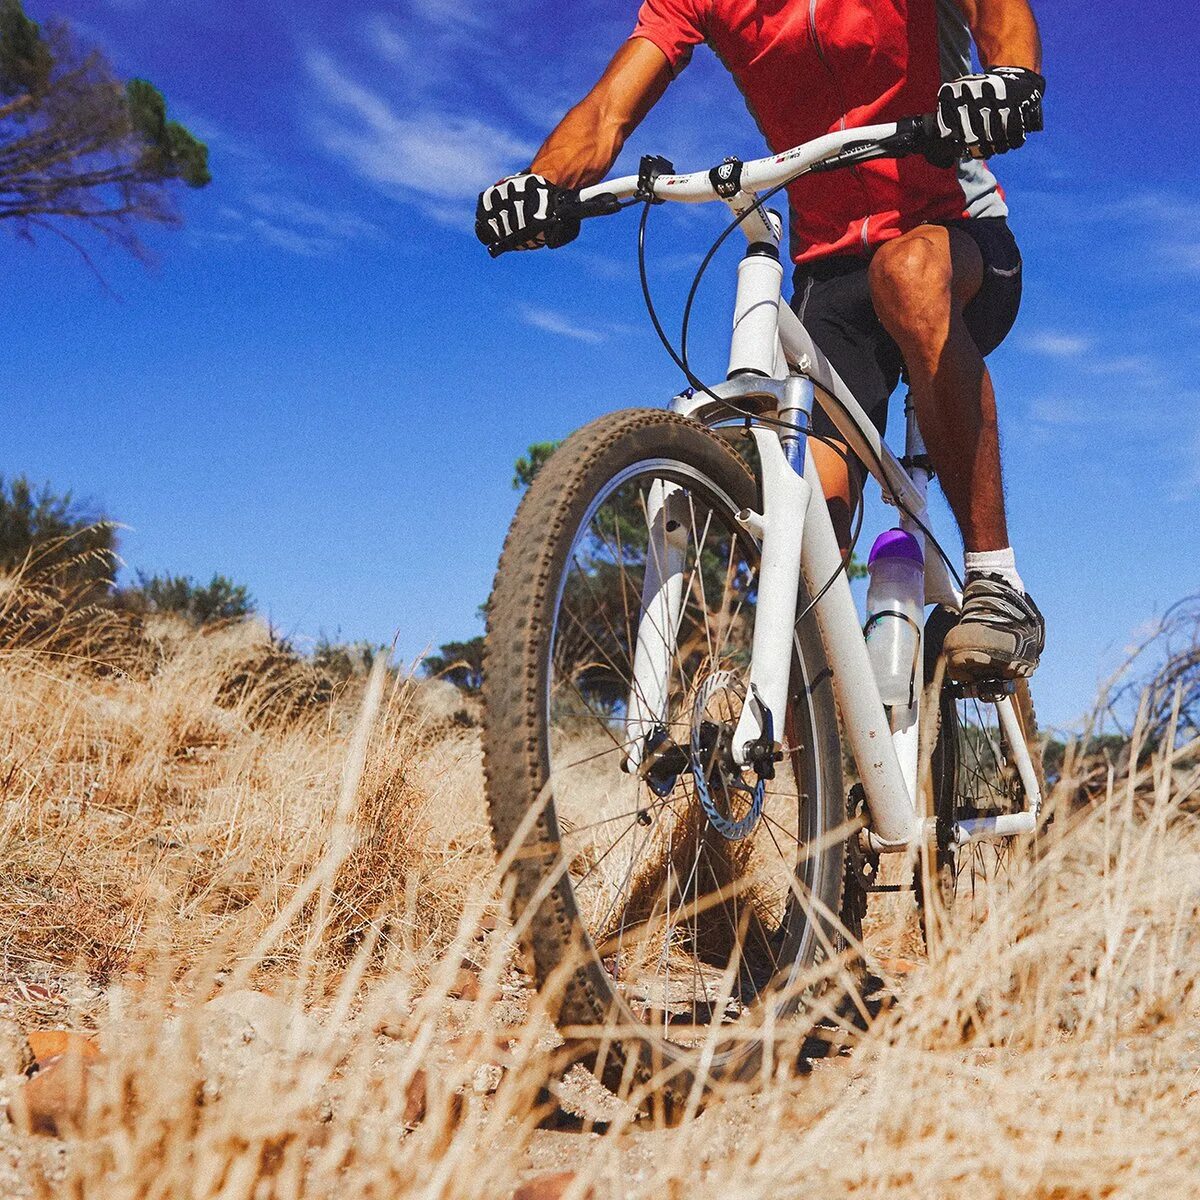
<point x="683" y="909"/>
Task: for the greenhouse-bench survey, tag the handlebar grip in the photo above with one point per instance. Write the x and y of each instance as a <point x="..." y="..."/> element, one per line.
<point x="603" y="205"/>
<point x="930" y="130"/>
<point x="936" y="147"/>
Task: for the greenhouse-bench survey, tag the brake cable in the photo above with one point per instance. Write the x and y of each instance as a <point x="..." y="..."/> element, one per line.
<point x="681" y="361"/>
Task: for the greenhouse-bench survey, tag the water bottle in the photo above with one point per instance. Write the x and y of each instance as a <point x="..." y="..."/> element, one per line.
<point x="895" y="610"/>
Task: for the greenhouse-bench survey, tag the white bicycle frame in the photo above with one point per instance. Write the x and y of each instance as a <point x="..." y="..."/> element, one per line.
<point x="775" y="369"/>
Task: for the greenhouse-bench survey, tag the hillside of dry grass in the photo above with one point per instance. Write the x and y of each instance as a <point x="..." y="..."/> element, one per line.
<point x="272" y="908"/>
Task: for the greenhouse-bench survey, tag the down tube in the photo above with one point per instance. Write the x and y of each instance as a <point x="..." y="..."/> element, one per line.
<point x="893" y="815"/>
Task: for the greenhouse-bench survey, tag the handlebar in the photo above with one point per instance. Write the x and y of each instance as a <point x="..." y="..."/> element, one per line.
<point x="736" y="181"/>
<point x="912" y="135"/>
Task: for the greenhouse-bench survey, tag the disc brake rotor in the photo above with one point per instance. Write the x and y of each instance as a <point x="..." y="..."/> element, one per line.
<point x="712" y="764"/>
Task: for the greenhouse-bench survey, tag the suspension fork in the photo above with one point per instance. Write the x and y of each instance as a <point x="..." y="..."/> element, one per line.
<point x="658" y="626"/>
<point x="755" y="353"/>
<point x="779" y="531"/>
<point x="780" y="528"/>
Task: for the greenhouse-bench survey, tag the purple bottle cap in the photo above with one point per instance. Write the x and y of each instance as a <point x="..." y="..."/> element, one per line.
<point x="896" y="543"/>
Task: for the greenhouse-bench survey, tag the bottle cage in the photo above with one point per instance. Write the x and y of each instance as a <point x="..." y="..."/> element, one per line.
<point x="912" y="678"/>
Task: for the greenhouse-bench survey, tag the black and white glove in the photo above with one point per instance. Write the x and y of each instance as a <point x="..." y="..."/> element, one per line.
<point x="993" y="112"/>
<point x="525" y="212"/>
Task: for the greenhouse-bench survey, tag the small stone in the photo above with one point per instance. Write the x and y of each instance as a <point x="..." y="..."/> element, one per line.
<point x="51" y="1043"/>
<point x="417" y="1103"/>
<point x="54" y="1101"/>
<point x="898" y="966"/>
<point x="488" y="923"/>
<point x="487" y="1054"/>
<point x="551" y="1186"/>
<point x="465" y="985"/>
<point x="238" y="1034"/>
<point x="250" y="1016"/>
<point x="486" y="1079"/>
<point x="480" y="1048"/>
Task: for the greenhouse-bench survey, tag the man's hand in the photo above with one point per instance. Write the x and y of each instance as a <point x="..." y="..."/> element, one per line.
<point x="992" y="112"/>
<point x="523" y="212"/>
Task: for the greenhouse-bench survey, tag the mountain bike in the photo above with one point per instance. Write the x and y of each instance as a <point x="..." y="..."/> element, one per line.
<point x="671" y="641"/>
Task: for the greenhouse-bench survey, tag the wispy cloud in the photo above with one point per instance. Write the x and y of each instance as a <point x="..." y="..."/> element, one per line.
<point x="1138" y="373"/>
<point x="418" y="154"/>
<point x="290" y="224"/>
<point x="464" y="13"/>
<point x="1089" y="355"/>
<point x="1057" y="345"/>
<point x="1173" y="221"/>
<point x="341" y="226"/>
<point x="437" y="110"/>
<point x="293" y="241"/>
<point x="1148" y="233"/>
<point x="1060" y="412"/>
<point x="385" y="37"/>
<point x="550" y="321"/>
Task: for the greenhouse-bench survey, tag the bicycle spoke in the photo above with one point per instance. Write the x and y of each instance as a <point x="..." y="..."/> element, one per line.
<point x="986" y="783"/>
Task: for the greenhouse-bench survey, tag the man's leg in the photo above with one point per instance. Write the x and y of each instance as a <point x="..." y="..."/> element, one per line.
<point x="834" y="468"/>
<point x="920" y="285"/>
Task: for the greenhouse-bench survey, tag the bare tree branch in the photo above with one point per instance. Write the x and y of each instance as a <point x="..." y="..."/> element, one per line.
<point x="78" y="146"/>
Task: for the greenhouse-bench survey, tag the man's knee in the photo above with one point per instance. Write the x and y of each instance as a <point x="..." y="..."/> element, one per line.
<point x="912" y="275"/>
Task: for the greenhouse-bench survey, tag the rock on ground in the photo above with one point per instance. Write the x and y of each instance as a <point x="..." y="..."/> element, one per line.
<point x="54" y="1102"/>
<point x="552" y="1186"/>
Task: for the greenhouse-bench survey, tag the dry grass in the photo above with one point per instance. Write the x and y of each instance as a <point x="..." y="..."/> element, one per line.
<point x="165" y="811"/>
<point x="166" y="843"/>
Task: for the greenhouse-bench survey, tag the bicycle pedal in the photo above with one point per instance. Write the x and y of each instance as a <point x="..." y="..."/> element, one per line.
<point x="987" y="690"/>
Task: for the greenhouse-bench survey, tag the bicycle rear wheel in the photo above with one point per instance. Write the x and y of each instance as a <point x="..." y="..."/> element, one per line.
<point x="973" y="773"/>
<point x="677" y="910"/>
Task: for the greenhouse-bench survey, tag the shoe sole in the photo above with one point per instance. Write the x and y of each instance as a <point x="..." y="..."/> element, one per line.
<point x="977" y="666"/>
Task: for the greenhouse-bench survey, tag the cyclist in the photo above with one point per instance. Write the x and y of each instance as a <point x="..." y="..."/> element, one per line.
<point x="900" y="265"/>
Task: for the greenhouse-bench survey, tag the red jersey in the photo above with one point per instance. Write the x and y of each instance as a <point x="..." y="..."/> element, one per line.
<point x="810" y="67"/>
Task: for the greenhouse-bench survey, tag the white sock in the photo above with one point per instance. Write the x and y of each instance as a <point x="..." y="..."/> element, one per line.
<point x="996" y="562"/>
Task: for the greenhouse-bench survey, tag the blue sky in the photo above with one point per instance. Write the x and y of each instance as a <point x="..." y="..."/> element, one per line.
<point x="321" y="386"/>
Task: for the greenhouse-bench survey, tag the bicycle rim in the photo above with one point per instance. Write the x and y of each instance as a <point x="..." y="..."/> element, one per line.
<point x="697" y="903"/>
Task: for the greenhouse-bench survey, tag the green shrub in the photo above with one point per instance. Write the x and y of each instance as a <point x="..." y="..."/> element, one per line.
<point x="218" y="600"/>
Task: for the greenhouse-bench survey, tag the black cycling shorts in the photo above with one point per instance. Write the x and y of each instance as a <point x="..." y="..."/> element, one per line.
<point x="833" y="299"/>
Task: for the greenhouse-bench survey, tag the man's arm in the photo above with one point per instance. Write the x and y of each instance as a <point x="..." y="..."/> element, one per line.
<point x="586" y="142"/>
<point x="1005" y="31"/>
<point x="995" y="111"/>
